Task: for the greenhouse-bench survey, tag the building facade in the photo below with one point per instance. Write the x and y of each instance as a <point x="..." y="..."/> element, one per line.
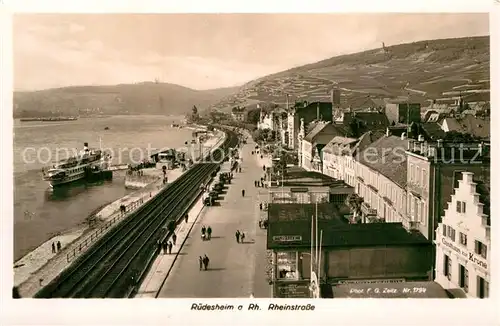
<point x="404" y="113"/>
<point x="434" y="169"/>
<point x="266" y="121"/>
<point x="463" y="244"/>
<point x="314" y="142"/>
<point x="381" y="181"/>
<point x="238" y="114"/>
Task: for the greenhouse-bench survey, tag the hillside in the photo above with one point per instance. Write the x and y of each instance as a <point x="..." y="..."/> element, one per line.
<point x="430" y="68"/>
<point x="141" y="98"/>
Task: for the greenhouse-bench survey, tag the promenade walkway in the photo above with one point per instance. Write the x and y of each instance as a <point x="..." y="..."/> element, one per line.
<point x="235" y="269"/>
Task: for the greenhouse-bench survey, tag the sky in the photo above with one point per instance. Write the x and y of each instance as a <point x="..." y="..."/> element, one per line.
<point x="205" y="51"/>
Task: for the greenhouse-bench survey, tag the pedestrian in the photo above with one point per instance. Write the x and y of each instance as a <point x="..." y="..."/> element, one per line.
<point x="242" y="237"/>
<point x="209" y="233"/>
<point x="174" y="238"/>
<point x="170" y="247"/>
<point x="200" y="259"/>
<point x="203" y="230"/>
<point x="243" y="193"/>
<point x="237" y="236"/>
<point x="260" y="224"/>
<point x="206" y="261"/>
<point x="263" y="167"/>
<point x="53" y="248"/>
<point x="260" y="206"/>
<point x="58" y="246"/>
<point x="159" y="245"/>
<point x="186" y="218"/>
<point x="165" y="247"/>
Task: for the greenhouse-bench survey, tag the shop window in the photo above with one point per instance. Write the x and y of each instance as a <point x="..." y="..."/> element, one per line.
<point x="287" y="265"/>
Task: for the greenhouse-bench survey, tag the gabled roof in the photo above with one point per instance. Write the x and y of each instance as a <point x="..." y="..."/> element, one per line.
<point x="322" y="133"/>
<point x="340" y="145"/>
<point x="387" y="156"/>
<point x="366" y="140"/>
<point x="372" y="119"/>
<point x="433" y="130"/>
<point x="471" y="125"/>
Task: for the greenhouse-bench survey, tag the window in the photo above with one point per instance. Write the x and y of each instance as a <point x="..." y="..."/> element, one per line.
<point x="424" y="178"/>
<point x="483" y="288"/>
<point x="412" y="175"/>
<point x="417" y="174"/>
<point x="460" y="206"/>
<point x="464" y="278"/>
<point x="452" y="234"/>
<point x="447" y="267"/>
<point x="444" y="230"/>
<point x="463" y="239"/>
<point x="480" y="249"/>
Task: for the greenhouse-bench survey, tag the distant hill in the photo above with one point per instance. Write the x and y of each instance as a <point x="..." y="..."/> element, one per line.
<point x="430" y="68"/>
<point x="141" y="98"/>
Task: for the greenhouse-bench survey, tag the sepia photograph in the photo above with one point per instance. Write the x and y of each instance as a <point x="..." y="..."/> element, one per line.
<point x="271" y="156"/>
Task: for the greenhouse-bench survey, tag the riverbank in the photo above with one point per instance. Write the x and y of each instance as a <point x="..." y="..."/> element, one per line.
<point x="42" y="265"/>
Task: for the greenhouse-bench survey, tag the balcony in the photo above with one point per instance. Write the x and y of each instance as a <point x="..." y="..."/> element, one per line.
<point x="367" y="210"/>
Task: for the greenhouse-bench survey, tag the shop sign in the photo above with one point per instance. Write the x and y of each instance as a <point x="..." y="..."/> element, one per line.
<point x="287" y="238"/>
<point x="471" y="256"/>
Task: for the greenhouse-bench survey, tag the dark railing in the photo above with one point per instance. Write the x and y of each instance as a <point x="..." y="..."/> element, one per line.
<point x="116" y="217"/>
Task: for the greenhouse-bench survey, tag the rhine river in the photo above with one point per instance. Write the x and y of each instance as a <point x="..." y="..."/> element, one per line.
<point x="39" y="212"/>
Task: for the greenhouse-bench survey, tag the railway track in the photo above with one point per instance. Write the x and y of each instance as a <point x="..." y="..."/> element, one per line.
<point x="111" y="266"/>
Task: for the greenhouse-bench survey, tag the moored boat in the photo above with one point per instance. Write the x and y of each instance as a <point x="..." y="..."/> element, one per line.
<point x="75" y="168"/>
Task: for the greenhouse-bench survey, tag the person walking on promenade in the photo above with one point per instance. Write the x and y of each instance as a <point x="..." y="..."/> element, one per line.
<point x="237" y="236"/>
<point x="242" y="237"/>
<point x="186" y="218"/>
<point x="209" y="233"/>
<point x="58" y="246"/>
<point x="53" y="248"/>
<point x="174" y="238"/>
<point x="165" y="247"/>
<point x="203" y="229"/>
<point x="200" y="259"/>
<point x="243" y="193"/>
<point x="159" y="245"/>
<point x="260" y="206"/>
<point x="170" y="247"/>
<point x="205" y="262"/>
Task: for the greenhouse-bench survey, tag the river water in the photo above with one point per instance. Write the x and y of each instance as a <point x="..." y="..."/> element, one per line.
<point x="39" y="212"/>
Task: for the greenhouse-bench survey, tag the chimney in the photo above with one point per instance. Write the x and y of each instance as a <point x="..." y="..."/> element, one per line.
<point x="387" y="132"/>
<point x="403" y="136"/>
<point x="332" y="98"/>
<point x="420" y="138"/>
<point x="287" y="102"/>
<point x="85" y="144"/>
<point x="317" y="112"/>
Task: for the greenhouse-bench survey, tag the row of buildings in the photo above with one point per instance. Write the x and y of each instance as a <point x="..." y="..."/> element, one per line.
<point x="417" y="201"/>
